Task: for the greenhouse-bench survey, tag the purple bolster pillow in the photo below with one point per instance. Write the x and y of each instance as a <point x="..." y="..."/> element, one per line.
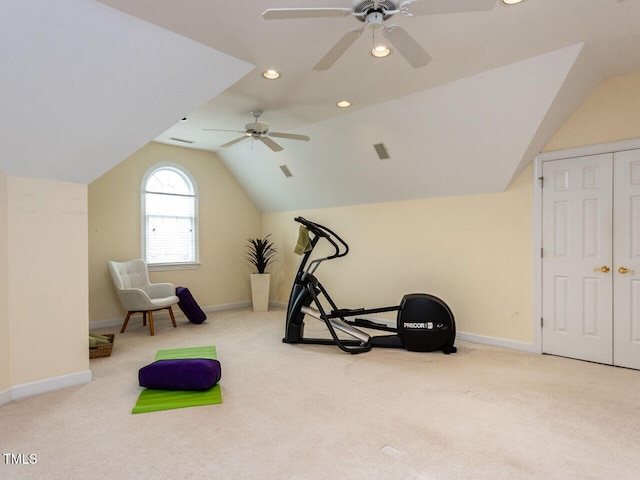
<point x="180" y="374"/>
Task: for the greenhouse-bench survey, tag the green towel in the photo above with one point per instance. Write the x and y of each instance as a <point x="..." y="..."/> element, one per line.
<point x="100" y="337"/>
<point x="97" y="340"/>
<point x="304" y="244"/>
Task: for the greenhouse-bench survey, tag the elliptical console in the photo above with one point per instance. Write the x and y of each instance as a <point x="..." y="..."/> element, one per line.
<point x="424" y="322"/>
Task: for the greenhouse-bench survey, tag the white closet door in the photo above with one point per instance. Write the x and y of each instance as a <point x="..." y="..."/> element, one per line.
<point x="577" y="258"/>
<point x="626" y="267"/>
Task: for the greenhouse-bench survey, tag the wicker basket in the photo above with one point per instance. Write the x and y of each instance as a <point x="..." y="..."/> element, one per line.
<point x="102" y="350"/>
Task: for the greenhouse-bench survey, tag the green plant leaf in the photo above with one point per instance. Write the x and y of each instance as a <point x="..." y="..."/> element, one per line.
<point x="261" y="252"/>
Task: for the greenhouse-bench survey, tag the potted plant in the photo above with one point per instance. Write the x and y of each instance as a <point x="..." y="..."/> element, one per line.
<point x="260" y="253"/>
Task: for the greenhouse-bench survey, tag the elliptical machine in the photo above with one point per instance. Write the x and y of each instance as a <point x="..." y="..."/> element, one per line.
<point x="424" y="322"/>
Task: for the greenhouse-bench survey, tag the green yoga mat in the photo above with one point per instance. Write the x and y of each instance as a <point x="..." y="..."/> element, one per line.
<point x="151" y="400"/>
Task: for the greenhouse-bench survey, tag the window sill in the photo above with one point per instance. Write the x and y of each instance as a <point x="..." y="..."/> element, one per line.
<point x="160" y="267"/>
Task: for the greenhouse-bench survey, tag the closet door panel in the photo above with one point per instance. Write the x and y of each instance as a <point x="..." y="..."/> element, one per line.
<point x="577" y="258"/>
<point x="626" y="235"/>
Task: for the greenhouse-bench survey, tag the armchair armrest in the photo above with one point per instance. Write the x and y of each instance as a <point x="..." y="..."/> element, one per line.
<point x="135" y="299"/>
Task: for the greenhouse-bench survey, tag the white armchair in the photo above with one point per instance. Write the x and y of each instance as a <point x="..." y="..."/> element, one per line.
<point x="138" y="295"/>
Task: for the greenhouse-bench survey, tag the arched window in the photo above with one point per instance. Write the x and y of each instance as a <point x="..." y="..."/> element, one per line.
<point x="170" y="223"/>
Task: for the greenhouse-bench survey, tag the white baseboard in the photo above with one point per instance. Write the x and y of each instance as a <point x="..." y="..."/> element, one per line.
<point x="497" y="342"/>
<point x="114" y="322"/>
<point x="5" y="396"/>
<point x="470" y="337"/>
<point x="467" y="337"/>
<point x="50" y="384"/>
<point x="227" y="306"/>
<point x="117" y="322"/>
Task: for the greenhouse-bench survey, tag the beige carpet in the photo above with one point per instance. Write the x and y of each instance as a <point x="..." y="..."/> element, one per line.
<point x="314" y="412"/>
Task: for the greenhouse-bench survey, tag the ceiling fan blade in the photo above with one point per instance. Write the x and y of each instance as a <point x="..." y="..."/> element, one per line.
<point x="237" y="140"/>
<point x="290" y="136"/>
<point x="218" y="130"/>
<point x="435" y="7"/>
<point x="284" y="13"/>
<point x="270" y="143"/>
<point x="407" y="46"/>
<point x="338" y="49"/>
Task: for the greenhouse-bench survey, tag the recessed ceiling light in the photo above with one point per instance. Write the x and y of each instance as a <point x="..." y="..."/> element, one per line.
<point x="182" y="120"/>
<point x="511" y="2"/>
<point x="380" y="51"/>
<point x="344" y="104"/>
<point x="271" y="74"/>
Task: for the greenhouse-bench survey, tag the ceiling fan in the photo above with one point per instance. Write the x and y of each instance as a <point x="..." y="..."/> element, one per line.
<point x="374" y="14"/>
<point x="260" y="131"/>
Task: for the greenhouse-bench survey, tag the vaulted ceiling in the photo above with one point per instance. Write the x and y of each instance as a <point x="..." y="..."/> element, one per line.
<point x="91" y="82"/>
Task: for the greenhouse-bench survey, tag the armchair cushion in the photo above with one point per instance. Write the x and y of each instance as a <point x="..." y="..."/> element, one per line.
<point x="160" y="290"/>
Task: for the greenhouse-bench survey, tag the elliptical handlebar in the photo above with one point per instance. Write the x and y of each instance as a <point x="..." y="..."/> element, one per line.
<point x="306" y="289"/>
<point x="321" y="231"/>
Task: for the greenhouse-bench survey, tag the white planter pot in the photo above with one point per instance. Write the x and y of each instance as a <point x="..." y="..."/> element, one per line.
<point x="260" y="291"/>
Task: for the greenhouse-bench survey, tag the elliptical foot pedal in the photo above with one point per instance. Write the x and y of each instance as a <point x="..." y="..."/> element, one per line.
<point x="364" y="323"/>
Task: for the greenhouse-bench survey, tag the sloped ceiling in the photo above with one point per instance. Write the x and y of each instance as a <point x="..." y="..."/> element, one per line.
<point x="91" y="82"/>
<point x="465" y="137"/>
<point x="84" y="86"/>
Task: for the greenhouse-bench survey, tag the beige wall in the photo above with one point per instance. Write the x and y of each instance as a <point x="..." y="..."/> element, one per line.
<point x="610" y="114"/>
<point x="47" y="278"/>
<point x="473" y="251"/>
<point x="5" y="372"/>
<point x="227" y="218"/>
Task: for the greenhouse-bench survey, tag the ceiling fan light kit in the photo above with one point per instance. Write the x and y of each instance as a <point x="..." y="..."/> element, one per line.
<point x="374" y="14"/>
<point x="380" y="51"/>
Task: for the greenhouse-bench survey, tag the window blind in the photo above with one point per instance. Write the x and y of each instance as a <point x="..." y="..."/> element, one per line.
<point x="170" y="223"/>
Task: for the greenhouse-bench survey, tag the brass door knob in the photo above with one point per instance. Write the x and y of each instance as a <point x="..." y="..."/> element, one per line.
<point x="603" y="269"/>
<point x="625" y="270"/>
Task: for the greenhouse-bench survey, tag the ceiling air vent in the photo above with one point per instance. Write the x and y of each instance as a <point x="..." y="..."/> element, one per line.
<point x="181" y="140"/>
<point x="382" y="151"/>
<point x="286" y="171"/>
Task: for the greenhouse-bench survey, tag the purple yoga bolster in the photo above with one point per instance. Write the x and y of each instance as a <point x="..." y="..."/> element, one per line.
<point x="189" y="306"/>
<point x="180" y="374"/>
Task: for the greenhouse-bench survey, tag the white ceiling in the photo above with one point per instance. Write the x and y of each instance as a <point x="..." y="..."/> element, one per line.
<point x="84" y="86"/>
<point x="500" y="85"/>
